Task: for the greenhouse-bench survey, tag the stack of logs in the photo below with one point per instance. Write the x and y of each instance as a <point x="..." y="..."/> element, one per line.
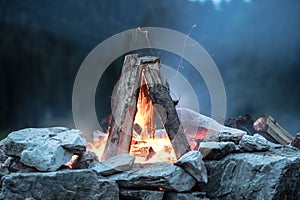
<point x="137" y="75"/>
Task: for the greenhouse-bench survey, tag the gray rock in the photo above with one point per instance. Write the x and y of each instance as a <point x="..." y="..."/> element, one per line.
<point x="284" y="151"/>
<point x="185" y="196"/>
<point x="46" y="149"/>
<point x="223" y="137"/>
<point x="13" y="164"/>
<point x="84" y="160"/>
<point x="216" y="150"/>
<point x="254" y="143"/>
<point x="254" y="176"/>
<point x="155" y="176"/>
<point x="68" y="184"/>
<point x="113" y="165"/>
<point x="3" y="157"/>
<point x="3" y="171"/>
<point x="193" y="164"/>
<point x="128" y="194"/>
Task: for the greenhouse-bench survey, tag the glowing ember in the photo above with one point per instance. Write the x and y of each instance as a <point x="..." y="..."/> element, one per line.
<point x="150" y="145"/>
<point x="69" y="164"/>
<point x="149" y="150"/>
<point x="152" y="150"/>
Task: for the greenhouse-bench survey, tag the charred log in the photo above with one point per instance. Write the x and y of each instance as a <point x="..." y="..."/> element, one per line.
<point x="164" y="106"/>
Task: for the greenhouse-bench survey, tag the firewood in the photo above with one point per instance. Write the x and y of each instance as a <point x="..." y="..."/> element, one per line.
<point x="267" y="124"/>
<point x="165" y="109"/>
<point x="141" y="78"/>
<point x="123" y="108"/>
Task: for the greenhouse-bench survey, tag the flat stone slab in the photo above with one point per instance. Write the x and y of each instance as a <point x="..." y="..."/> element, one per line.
<point x="156" y="176"/>
<point x="68" y="184"/>
<point x="113" y="165"/>
<point x="261" y="175"/>
<point x="216" y="150"/>
<point x="193" y="164"/>
<point x="45" y="149"/>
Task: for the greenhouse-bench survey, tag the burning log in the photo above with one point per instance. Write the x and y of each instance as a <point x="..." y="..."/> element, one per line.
<point x="267" y="125"/>
<point x="165" y="108"/>
<point x="124" y="108"/>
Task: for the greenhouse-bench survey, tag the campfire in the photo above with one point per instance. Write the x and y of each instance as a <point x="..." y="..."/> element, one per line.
<point x="192" y="157"/>
<point x="140" y="96"/>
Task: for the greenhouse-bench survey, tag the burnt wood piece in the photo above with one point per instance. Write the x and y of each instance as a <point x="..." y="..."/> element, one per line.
<point x="296" y="141"/>
<point x="267" y="124"/>
<point x="244" y="123"/>
<point x="165" y="109"/>
<point x="124" y="101"/>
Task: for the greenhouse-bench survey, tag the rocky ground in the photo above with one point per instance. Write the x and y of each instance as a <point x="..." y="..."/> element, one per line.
<point x="227" y="166"/>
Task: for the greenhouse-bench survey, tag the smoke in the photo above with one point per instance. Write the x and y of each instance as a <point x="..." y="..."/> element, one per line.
<point x="217" y="3"/>
<point x="255" y="44"/>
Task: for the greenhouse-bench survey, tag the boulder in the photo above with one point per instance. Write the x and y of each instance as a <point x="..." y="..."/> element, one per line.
<point x="13" y="164"/>
<point x="256" y="175"/>
<point x="3" y="157"/>
<point x="193" y="164"/>
<point x="45" y="149"/>
<point x="223" y="137"/>
<point x="254" y="143"/>
<point x="113" y="165"/>
<point x="68" y="184"/>
<point x="198" y="126"/>
<point x="128" y="194"/>
<point x="155" y="176"/>
<point x="216" y="150"/>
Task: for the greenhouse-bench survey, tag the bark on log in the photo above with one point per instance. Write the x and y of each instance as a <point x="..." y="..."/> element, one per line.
<point x="124" y="101"/>
<point x="267" y="124"/>
<point x="164" y="106"/>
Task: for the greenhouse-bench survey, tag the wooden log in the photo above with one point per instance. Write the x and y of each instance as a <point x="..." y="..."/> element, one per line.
<point x="124" y="101"/>
<point x="267" y="124"/>
<point x="165" y="107"/>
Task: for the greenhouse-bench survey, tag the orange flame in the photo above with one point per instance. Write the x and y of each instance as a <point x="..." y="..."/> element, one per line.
<point x="70" y="163"/>
<point x="145" y="145"/>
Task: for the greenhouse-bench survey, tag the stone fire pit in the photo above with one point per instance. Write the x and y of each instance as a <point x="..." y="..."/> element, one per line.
<point x="225" y="167"/>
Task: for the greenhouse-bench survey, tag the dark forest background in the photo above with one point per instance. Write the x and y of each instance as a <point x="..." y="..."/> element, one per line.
<point x="255" y="44"/>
